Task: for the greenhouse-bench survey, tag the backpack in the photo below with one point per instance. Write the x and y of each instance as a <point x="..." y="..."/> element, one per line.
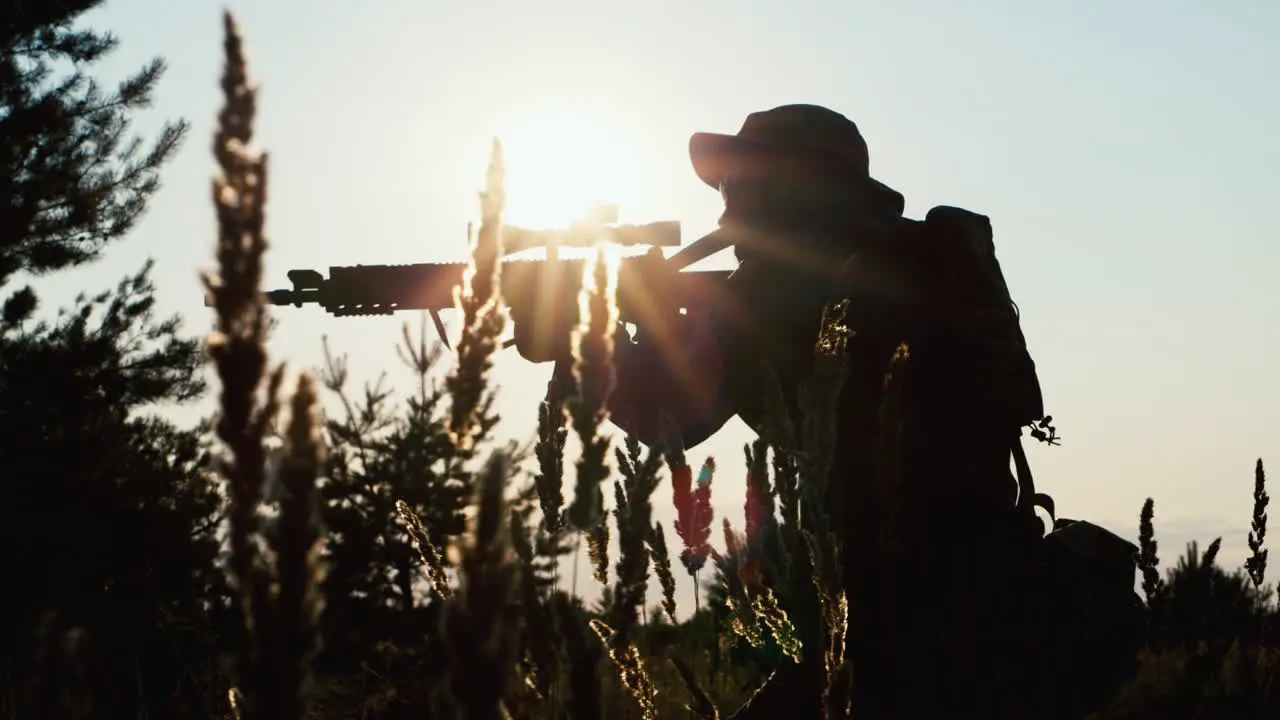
<point x="969" y="287"/>
<point x="1091" y="623"/>
<point x="1094" y="617"/>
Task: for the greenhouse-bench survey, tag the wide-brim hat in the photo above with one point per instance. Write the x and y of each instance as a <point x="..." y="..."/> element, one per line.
<point x="811" y="131"/>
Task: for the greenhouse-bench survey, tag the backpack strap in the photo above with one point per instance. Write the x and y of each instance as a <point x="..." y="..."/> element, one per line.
<point x="1028" y="498"/>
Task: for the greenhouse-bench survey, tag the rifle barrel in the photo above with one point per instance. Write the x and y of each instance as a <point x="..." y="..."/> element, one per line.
<point x="363" y="290"/>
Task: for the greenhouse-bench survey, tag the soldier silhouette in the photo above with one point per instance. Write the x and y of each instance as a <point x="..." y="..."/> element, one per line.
<point x="799" y="203"/>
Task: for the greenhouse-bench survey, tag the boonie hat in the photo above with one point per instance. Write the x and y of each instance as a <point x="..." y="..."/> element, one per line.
<point x="788" y="131"/>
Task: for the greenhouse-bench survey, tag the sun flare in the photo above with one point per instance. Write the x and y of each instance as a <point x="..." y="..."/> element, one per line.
<point x="559" y="162"/>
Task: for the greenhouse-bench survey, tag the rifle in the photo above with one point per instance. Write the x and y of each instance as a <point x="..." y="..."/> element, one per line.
<point x="542" y="294"/>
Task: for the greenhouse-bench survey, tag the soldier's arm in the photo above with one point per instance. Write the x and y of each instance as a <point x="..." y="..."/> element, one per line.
<point x="677" y="384"/>
<point x="702" y="369"/>
<point x="705" y="369"/>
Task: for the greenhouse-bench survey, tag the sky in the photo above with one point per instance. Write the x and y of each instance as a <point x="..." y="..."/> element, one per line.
<point x="1125" y="151"/>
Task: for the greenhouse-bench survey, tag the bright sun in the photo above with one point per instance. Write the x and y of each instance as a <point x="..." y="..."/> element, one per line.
<point x="561" y="160"/>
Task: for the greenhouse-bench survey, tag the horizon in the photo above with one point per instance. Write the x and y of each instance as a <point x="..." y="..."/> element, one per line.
<point x="1151" y="329"/>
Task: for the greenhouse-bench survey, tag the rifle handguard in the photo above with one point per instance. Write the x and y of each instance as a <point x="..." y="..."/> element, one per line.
<point x="542" y="295"/>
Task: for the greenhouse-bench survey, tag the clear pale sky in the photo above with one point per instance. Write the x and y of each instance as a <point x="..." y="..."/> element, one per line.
<point x="1126" y="152"/>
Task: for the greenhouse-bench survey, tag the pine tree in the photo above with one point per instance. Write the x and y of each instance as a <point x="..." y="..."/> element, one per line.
<point x="72" y="177"/>
<point x="381" y="619"/>
<point x="108" y="519"/>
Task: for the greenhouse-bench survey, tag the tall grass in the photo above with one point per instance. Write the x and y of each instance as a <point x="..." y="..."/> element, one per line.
<point x="278" y="592"/>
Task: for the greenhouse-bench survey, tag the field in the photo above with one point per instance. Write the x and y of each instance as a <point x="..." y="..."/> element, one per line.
<point x="391" y="558"/>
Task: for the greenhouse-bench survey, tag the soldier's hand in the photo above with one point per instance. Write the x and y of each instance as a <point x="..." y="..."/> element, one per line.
<point x="542" y="336"/>
<point x="677" y="375"/>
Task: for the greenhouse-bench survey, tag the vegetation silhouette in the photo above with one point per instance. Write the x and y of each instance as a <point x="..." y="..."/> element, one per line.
<point x="393" y="559"/>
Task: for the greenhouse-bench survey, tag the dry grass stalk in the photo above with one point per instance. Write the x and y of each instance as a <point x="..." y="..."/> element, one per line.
<point x="584" y="692"/>
<point x="764" y="537"/>
<point x="702" y="705"/>
<point x="479" y="299"/>
<point x="786" y="482"/>
<point x="633" y="512"/>
<point x="539" y="653"/>
<point x="754" y="611"/>
<point x="759" y="511"/>
<point x="765" y="606"/>
<point x="598" y="549"/>
<point x="549" y="483"/>
<point x="549" y="450"/>
<point x="233" y="702"/>
<point x="742" y="621"/>
<point x="281" y="610"/>
<point x="890" y="490"/>
<point x="742" y="710"/>
<point x="662" y="568"/>
<point x="431" y="556"/>
<point x="838" y="680"/>
<point x="594" y="371"/>
<point x="801" y="462"/>
<point x="1257" y="562"/>
<point x="897" y="554"/>
<point x="1148" y="560"/>
<point x="790" y="461"/>
<point x="819" y="395"/>
<point x="299" y="567"/>
<point x="1211" y="554"/>
<point x="237" y="347"/>
<point x="631" y="670"/>
<point x="477" y="625"/>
